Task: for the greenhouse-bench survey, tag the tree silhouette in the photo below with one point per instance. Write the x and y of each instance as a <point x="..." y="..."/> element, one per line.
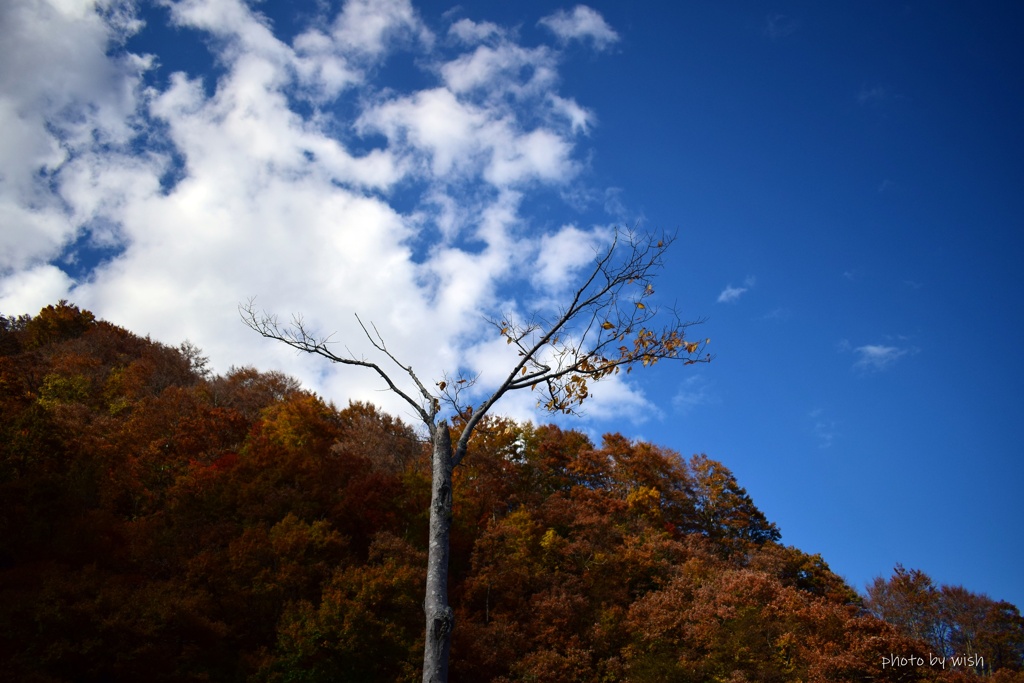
<point x="606" y="326"/>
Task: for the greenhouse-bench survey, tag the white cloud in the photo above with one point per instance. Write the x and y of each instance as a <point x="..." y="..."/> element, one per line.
<point x="583" y="23"/>
<point x="612" y="398"/>
<point x="878" y="356"/>
<point x="561" y="255"/>
<point x="615" y="398"/>
<point x="498" y="71"/>
<point x="471" y="32"/>
<point x="824" y="428"/>
<point x="871" y="95"/>
<point x="694" y="391"/>
<point x="273" y="201"/>
<point x="451" y="140"/>
<point x="368" y="26"/>
<point x="61" y="95"/>
<point x="434" y="124"/>
<point x="32" y="289"/>
<point x="731" y="294"/>
<point x="877" y="96"/>
<point x="777" y="314"/>
<point x="524" y="158"/>
<point x="581" y="119"/>
<point x="778" y="26"/>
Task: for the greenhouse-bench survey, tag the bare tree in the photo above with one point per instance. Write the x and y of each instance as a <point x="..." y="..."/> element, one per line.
<point x="604" y="328"/>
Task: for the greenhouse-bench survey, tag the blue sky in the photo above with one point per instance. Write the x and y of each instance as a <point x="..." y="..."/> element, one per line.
<point x="845" y="180"/>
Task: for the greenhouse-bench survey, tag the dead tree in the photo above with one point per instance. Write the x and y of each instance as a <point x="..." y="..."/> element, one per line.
<point x="605" y="327"/>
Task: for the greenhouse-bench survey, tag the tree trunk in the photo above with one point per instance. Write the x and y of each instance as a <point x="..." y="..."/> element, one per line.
<point x="440" y="619"/>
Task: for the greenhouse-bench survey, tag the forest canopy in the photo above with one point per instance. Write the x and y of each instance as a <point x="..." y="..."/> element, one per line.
<point x="161" y="522"/>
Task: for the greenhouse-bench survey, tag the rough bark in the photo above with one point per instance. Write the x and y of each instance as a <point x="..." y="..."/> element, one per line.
<point x="440" y="618"/>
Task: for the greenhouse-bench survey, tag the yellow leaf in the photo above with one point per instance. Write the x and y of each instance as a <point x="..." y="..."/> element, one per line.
<point x="606" y="325"/>
<point x="640" y="305"/>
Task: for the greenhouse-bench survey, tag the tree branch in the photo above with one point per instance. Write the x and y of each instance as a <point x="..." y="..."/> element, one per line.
<point x="297" y="337"/>
<point x="603" y="295"/>
<point x="605" y="327"/>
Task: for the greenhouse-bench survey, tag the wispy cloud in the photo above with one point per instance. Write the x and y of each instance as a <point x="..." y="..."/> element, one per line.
<point x="877" y="95"/>
<point x="871" y="95"/>
<point x="778" y="314"/>
<point x="584" y="24"/>
<point x="824" y="428"/>
<point x="731" y="294"/>
<point x="778" y="26"/>
<point x="876" y="357"/>
<point x="694" y="391"/>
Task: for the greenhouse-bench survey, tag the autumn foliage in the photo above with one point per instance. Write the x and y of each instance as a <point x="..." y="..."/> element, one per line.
<point x="161" y="523"/>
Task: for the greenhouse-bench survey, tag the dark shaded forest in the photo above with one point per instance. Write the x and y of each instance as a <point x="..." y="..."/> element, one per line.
<point x="159" y="522"/>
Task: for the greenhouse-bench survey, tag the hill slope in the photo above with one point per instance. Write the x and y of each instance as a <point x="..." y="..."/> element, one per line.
<point x="161" y="523"/>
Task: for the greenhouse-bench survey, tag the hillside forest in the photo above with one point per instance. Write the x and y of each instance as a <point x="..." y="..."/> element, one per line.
<point x="159" y="522"/>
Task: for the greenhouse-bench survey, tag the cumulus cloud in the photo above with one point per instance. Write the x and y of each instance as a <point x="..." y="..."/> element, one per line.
<point x="369" y="26"/>
<point x="584" y="24"/>
<point x="61" y="96"/>
<point x="469" y="31"/>
<point x="562" y="254"/>
<point x="293" y="176"/>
